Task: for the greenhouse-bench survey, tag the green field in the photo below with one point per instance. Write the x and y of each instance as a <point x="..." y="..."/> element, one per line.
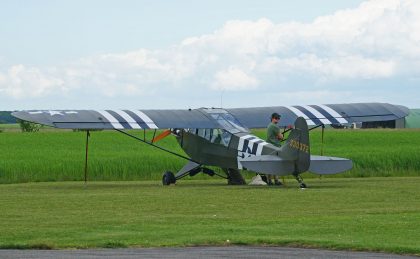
<point x="376" y="214"/>
<point x="59" y="155"/>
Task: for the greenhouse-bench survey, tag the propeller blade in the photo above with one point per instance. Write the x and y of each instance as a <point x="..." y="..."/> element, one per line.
<point x="161" y="136"/>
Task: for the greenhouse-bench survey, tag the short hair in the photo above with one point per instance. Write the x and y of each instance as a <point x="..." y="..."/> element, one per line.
<point x="275" y="116"/>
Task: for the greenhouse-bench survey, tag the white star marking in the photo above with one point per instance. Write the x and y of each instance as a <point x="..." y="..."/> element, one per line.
<point x="52" y="113"/>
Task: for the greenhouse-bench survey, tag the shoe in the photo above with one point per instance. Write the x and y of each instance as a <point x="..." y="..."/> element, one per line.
<point x="277" y="182"/>
<point x="270" y="182"/>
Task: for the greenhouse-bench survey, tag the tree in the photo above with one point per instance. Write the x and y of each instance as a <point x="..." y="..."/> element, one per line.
<point x="27" y="126"/>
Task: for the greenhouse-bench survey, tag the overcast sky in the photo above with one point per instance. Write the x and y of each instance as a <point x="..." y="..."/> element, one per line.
<point x="190" y="54"/>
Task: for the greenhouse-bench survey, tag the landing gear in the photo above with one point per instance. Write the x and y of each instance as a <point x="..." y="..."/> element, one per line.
<point x="298" y="178"/>
<point x="190" y="169"/>
<point x="168" y="178"/>
<point x="234" y="176"/>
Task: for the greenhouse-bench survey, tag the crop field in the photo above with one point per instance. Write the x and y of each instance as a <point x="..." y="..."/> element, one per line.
<point x="59" y="155"/>
<point x="374" y="214"/>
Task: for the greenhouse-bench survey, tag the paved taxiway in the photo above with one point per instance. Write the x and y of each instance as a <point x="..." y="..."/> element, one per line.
<point x="196" y="252"/>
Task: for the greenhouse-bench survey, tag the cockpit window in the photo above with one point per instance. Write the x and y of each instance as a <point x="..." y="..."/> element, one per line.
<point x="221" y="137"/>
<point x="228" y="122"/>
<point x="216" y="136"/>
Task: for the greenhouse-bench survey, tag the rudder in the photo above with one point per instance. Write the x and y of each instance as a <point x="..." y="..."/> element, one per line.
<point x="297" y="146"/>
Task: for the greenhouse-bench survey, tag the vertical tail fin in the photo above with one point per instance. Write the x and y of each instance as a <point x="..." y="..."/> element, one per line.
<point x="297" y="146"/>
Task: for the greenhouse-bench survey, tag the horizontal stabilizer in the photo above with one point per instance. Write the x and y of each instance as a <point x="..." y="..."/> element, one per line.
<point x="268" y="164"/>
<point x="329" y="165"/>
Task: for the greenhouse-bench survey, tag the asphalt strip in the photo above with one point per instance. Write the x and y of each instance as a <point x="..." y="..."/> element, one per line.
<point x="195" y="252"/>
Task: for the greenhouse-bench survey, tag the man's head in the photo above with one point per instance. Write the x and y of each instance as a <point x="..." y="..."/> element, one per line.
<point x="275" y="117"/>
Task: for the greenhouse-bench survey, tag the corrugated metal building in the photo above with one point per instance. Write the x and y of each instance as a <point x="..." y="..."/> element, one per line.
<point x="413" y="119"/>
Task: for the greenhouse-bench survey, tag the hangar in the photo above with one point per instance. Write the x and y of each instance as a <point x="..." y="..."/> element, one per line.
<point x="411" y="121"/>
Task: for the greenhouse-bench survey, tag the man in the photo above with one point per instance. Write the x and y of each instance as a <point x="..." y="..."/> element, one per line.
<point x="274" y="137"/>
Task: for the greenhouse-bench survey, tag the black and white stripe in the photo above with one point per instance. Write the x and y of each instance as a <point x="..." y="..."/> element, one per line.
<point x="299" y="113"/>
<point x="310" y="115"/>
<point x="142" y="118"/>
<point x="326" y="114"/>
<point x="333" y="113"/>
<point x="128" y="119"/>
<point x="111" y="119"/>
<point x="317" y="114"/>
<point x="249" y="145"/>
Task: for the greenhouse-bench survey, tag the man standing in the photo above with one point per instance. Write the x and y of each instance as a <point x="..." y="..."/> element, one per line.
<point x="274" y="137"/>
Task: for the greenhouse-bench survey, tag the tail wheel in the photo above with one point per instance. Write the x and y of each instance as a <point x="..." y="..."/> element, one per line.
<point x="168" y="178"/>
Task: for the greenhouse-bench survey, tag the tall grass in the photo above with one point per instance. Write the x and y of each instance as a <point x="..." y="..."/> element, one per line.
<point x="59" y="155"/>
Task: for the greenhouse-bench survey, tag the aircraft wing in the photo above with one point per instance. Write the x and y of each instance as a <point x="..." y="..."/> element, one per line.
<point x="208" y="118"/>
<point x="320" y="114"/>
<point x="119" y="119"/>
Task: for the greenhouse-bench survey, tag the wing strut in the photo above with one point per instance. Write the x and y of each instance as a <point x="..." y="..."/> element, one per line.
<point x="86" y="157"/>
<point x="156" y="146"/>
<point x="322" y="140"/>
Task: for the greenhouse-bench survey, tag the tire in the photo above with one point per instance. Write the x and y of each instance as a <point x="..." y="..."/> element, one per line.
<point x="234" y="176"/>
<point x="168" y="178"/>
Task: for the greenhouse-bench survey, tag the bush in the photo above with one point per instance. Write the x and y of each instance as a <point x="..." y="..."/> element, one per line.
<point x="27" y="126"/>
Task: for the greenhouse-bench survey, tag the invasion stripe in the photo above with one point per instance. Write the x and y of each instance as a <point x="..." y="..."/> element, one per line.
<point x="260" y="147"/>
<point x="317" y="114"/>
<point x="310" y="115"/>
<point x="145" y="118"/>
<point x="132" y="122"/>
<point x="242" y="141"/>
<point x="137" y="119"/>
<point x="253" y="145"/>
<point x="300" y="114"/>
<point x="333" y="113"/>
<point x="120" y="119"/>
<point x="326" y="114"/>
<point x="110" y="119"/>
<point x="240" y="147"/>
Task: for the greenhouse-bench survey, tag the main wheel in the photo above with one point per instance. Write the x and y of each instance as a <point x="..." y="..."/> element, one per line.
<point x="168" y="178"/>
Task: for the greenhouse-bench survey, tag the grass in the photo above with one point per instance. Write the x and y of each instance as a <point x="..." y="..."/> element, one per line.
<point x="371" y="214"/>
<point x="9" y="128"/>
<point x="59" y="155"/>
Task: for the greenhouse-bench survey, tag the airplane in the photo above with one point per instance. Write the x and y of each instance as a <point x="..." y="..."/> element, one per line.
<point x="221" y="137"/>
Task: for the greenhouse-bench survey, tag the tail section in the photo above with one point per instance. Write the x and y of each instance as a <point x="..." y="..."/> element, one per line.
<point x="329" y="165"/>
<point x="297" y="147"/>
<point x="294" y="157"/>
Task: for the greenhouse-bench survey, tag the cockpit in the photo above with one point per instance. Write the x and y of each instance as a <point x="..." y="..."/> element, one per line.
<point x="228" y="125"/>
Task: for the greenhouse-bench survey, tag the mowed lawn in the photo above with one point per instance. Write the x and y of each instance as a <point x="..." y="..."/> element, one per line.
<point x="379" y="214"/>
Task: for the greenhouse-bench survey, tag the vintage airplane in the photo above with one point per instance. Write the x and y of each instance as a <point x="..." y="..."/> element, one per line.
<point x="221" y="137"/>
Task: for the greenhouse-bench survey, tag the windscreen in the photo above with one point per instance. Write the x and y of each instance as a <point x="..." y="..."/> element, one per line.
<point x="226" y="121"/>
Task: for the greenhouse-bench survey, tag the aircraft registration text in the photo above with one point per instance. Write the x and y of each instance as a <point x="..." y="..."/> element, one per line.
<point x="300" y="146"/>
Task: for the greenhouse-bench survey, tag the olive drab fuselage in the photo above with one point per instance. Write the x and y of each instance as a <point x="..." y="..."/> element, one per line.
<point x="215" y="147"/>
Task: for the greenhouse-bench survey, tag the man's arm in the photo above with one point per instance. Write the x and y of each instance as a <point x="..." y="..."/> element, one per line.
<point x="279" y="136"/>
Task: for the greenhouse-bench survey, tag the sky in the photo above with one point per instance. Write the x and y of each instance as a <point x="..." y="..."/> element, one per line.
<point x="189" y="54"/>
